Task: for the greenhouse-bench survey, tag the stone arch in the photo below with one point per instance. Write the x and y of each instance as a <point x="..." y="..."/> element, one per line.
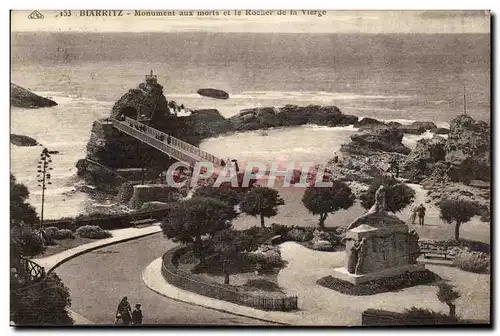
<point x="129" y="111"/>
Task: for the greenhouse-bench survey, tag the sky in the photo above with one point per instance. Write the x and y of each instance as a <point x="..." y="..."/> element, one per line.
<point x="372" y="22"/>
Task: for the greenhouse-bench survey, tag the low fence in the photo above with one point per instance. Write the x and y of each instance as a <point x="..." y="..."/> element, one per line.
<point x="189" y="282"/>
<point x="378" y="317"/>
<point x="108" y="222"/>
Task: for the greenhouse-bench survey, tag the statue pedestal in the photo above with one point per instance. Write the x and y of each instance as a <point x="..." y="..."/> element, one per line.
<point x="380" y="246"/>
<point x="342" y="273"/>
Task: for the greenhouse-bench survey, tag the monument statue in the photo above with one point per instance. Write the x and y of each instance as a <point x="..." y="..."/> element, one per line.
<point x="380" y="205"/>
<point x="352" y="259"/>
<point x="378" y="245"/>
<point x="361" y="257"/>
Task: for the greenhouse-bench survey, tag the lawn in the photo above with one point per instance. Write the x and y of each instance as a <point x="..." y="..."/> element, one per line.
<point x="66" y="244"/>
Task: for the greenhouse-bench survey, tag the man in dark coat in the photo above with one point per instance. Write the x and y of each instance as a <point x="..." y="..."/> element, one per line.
<point x="137" y="314"/>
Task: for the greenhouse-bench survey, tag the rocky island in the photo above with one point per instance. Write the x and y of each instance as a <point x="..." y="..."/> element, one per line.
<point x="22" y="140"/>
<point x="20" y="97"/>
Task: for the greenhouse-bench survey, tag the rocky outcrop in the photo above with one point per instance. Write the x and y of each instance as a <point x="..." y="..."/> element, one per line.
<point x="418" y="127"/>
<point x="369" y="123"/>
<point x="214" y="93"/>
<point x="20" y="97"/>
<point x="468" y="149"/>
<point x="440" y="130"/>
<point x="382" y="140"/>
<point x="22" y="140"/>
<point x="465" y="171"/>
<point x="290" y="115"/>
<point x="154" y="192"/>
<point x="420" y="163"/>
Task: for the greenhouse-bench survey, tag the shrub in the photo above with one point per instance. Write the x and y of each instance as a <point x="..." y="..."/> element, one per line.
<point x="92" y="232"/>
<point x="263" y="284"/>
<point x="53" y="232"/>
<point x="300" y="235"/>
<point x="64" y="234"/>
<point x="321" y="235"/>
<point x="422" y="316"/>
<point x="476" y="262"/>
<point x="267" y="256"/>
<point x="279" y="229"/>
<point x="322" y="245"/>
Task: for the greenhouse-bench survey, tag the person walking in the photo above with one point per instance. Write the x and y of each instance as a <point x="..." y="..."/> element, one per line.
<point x="421" y="214"/>
<point x="137" y="315"/>
<point x="413" y="215"/>
<point x="124" y="312"/>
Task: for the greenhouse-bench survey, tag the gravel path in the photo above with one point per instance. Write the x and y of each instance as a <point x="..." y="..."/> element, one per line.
<point x="323" y="306"/>
<point x="99" y="279"/>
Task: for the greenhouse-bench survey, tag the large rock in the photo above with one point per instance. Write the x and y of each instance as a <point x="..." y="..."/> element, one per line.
<point x="153" y="192"/>
<point x="369" y="123"/>
<point x="420" y="163"/>
<point x="440" y="130"/>
<point x="468" y="149"/>
<point x="20" y="97"/>
<point x="418" y="127"/>
<point x="384" y="140"/>
<point x="290" y="115"/>
<point x="22" y="140"/>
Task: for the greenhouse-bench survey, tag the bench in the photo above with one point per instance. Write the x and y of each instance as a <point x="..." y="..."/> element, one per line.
<point x="143" y="222"/>
<point x="432" y="250"/>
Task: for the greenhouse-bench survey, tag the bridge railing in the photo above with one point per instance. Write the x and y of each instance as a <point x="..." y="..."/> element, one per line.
<point x="160" y="145"/>
<point x="174" y="142"/>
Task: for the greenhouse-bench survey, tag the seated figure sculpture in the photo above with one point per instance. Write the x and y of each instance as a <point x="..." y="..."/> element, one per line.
<point x="379" y="245"/>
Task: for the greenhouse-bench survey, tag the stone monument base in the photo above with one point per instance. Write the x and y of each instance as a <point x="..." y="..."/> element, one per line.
<point x="342" y="274"/>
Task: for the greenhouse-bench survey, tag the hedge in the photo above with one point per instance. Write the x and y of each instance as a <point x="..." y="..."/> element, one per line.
<point x="111" y="222"/>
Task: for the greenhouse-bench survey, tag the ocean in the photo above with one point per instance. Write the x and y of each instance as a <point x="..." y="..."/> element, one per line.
<point x="389" y="77"/>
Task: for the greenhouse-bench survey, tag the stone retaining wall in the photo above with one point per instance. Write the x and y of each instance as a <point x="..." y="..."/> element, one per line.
<point x="200" y="286"/>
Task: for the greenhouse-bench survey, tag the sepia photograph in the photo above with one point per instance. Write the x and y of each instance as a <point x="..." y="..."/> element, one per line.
<point x="250" y="167"/>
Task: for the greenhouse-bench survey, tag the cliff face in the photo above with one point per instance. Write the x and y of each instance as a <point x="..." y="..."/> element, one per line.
<point x="421" y="161"/>
<point x="468" y="149"/>
<point x="386" y="139"/>
<point x="20" y="97"/>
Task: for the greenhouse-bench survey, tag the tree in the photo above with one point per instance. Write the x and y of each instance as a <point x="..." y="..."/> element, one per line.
<point x="262" y="201"/>
<point x="398" y="195"/>
<point x="23" y="217"/>
<point x="324" y="200"/>
<point x="228" y="245"/>
<point x="459" y="211"/>
<point x="44" y="303"/>
<point x="20" y="210"/>
<point x="189" y="220"/>
<point x="224" y="193"/>
<point x="447" y="295"/>
<point x="24" y="242"/>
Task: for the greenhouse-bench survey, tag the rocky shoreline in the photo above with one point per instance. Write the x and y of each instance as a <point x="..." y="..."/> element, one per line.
<point x="20" y="97"/>
<point x="454" y="167"/>
<point x="445" y="167"/>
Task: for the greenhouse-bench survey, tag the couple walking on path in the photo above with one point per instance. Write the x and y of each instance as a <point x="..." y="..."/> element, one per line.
<point x="420" y="211"/>
<point x="125" y="315"/>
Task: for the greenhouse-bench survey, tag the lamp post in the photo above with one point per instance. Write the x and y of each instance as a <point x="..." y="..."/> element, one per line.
<point x="44" y="177"/>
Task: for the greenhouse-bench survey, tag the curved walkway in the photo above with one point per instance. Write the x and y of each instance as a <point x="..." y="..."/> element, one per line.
<point x="97" y="280"/>
<point x="322" y="306"/>
<point x="121" y="235"/>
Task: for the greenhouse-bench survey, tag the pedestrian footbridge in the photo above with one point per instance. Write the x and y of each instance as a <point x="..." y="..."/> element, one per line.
<point x="173" y="147"/>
